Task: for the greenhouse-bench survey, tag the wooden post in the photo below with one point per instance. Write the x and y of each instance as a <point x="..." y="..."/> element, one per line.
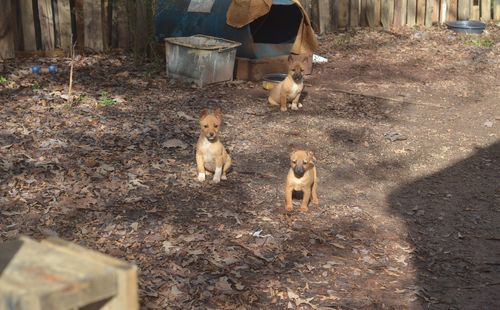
<point x="354" y="13"/>
<point x="485" y="10"/>
<point x="412" y="13"/>
<point x="120" y="34"/>
<point x="7" y="46"/>
<point x="325" y="18"/>
<point x="363" y="21"/>
<point x="387" y="13"/>
<point x="28" y="25"/>
<point x="435" y="11"/>
<point x="421" y="12"/>
<point x="429" y="8"/>
<point x="92" y="13"/>
<point x="452" y="10"/>
<point x="315" y="15"/>
<point x="64" y="24"/>
<point x="46" y="24"/>
<point x="475" y="12"/>
<point x="400" y="13"/>
<point x="496" y="10"/>
<point x="80" y="24"/>
<point x="342" y="7"/>
<point x="463" y="10"/>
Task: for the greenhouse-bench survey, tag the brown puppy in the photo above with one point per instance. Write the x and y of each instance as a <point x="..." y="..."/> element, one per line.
<point x="302" y="176"/>
<point x="210" y="153"/>
<point x="290" y="88"/>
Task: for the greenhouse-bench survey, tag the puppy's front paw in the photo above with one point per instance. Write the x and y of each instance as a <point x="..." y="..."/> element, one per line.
<point x="201" y="177"/>
<point x="289" y="208"/>
<point x="315" y="201"/>
<point x="216" y="180"/>
<point x="299" y="105"/>
<point x="304" y="209"/>
<point x="223" y="177"/>
<point x="283" y="109"/>
<point x="294" y="107"/>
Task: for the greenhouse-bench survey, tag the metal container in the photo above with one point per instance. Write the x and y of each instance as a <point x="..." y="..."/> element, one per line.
<point x="270" y="35"/>
<point x="466" y="26"/>
<point x="200" y="59"/>
<point x="272" y="79"/>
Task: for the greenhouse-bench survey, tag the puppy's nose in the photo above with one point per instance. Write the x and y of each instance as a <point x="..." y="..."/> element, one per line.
<point x="211" y="134"/>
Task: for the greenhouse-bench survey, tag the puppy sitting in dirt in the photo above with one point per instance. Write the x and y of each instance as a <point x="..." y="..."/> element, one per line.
<point x="302" y="177"/>
<point x="210" y="153"/>
<point x="291" y="87"/>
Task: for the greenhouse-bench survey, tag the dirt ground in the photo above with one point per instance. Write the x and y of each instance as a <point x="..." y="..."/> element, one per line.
<point x="409" y="224"/>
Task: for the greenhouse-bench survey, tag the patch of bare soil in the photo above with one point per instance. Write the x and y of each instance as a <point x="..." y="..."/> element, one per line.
<point x="406" y="224"/>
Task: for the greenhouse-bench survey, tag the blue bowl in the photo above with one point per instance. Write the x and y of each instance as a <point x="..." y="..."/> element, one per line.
<point x="466" y="26"/>
<point x="52" y="68"/>
<point x="36" y="69"/>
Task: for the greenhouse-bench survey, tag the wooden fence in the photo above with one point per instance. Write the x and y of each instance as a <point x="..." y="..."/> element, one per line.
<point x="28" y="26"/>
<point x="334" y="15"/>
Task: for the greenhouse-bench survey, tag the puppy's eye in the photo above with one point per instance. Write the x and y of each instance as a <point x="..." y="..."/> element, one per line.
<point x="206" y="126"/>
<point x="305" y="162"/>
<point x="294" y="161"/>
<point x="216" y="126"/>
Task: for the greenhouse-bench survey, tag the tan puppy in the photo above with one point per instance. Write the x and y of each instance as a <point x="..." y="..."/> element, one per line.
<point x="290" y="88"/>
<point x="302" y="177"/>
<point x="210" y="153"/>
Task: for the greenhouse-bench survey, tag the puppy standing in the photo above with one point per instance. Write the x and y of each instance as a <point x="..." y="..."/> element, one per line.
<point x="291" y="87"/>
<point x="210" y="153"/>
<point x="302" y="176"/>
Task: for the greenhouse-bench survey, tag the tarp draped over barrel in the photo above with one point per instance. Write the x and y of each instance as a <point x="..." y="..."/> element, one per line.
<point x="242" y="12"/>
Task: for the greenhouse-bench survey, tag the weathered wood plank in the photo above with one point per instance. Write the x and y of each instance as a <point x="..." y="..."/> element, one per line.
<point x="429" y="8"/>
<point x="7" y="45"/>
<point x="325" y="18"/>
<point x="53" y="279"/>
<point x="354" y="13"/>
<point x="126" y="297"/>
<point x="463" y="10"/>
<point x="363" y="21"/>
<point x="496" y="10"/>
<point x="80" y="24"/>
<point x="28" y="25"/>
<point x="315" y="15"/>
<point x="107" y="22"/>
<point x="485" y="10"/>
<point x="120" y="33"/>
<point x="92" y="12"/>
<point x="64" y="24"/>
<point x="452" y="10"/>
<point x="400" y="7"/>
<point x="411" y="17"/>
<point x="342" y="8"/>
<point x="421" y="12"/>
<point x="476" y="13"/>
<point x="435" y="11"/>
<point x="387" y="13"/>
<point x="46" y="16"/>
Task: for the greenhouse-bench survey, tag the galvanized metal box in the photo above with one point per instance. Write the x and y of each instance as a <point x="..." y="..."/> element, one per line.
<point x="200" y="59"/>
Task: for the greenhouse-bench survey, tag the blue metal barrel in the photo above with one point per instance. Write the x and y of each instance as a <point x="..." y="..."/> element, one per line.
<point x="268" y="36"/>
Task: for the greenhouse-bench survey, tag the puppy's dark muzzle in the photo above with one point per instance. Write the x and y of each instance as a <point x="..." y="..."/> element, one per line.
<point x="298" y="171"/>
<point x="211" y="136"/>
<point x="297" y="76"/>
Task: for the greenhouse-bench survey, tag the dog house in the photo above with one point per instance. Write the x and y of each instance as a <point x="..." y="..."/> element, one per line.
<point x="268" y="30"/>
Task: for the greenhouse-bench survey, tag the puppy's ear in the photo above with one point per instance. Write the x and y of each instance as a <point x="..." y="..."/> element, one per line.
<point x="310" y="154"/>
<point x="291" y="148"/>
<point x="290" y="58"/>
<point x="218" y="113"/>
<point x="203" y="113"/>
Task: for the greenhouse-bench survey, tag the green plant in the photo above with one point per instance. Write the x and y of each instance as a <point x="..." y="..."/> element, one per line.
<point x="36" y="87"/>
<point x="479" y="41"/>
<point x="105" y="100"/>
<point x="3" y="79"/>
